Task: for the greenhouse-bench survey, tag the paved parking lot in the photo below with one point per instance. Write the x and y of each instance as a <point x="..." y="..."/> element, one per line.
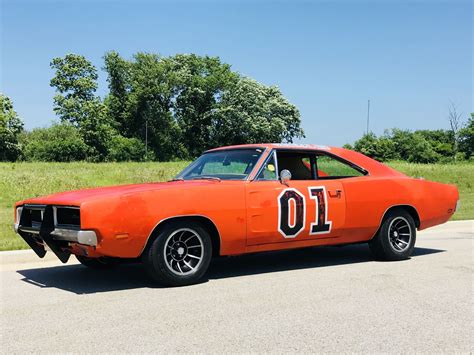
<point x="311" y="300"/>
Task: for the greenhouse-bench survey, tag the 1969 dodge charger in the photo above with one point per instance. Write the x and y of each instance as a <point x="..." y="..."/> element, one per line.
<point x="236" y="200"/>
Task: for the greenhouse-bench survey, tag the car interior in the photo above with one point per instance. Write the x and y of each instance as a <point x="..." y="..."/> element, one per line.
<point x="310" y="166"/>
<point x="298" y="164"/>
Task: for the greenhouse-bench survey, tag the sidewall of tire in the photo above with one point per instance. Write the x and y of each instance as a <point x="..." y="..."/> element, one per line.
<point x="155" y="258"/>
<point x="380" y="244"/>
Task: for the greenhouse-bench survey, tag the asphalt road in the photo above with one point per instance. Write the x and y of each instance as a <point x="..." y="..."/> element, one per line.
<point x="311" y="300"/>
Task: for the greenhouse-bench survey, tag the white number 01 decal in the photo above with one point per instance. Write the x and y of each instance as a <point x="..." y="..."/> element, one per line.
<point x="292" y="199"/>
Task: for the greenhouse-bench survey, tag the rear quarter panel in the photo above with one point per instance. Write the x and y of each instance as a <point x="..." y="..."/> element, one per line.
<point x="368" y="198"/>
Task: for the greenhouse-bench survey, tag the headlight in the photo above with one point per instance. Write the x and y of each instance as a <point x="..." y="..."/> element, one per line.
<point x="18" y="214"/>
<point x="17" y="217"/>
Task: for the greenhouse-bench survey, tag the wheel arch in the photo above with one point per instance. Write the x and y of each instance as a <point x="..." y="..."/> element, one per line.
<point x="208" y="224"/>
<point x="406" y="207"/>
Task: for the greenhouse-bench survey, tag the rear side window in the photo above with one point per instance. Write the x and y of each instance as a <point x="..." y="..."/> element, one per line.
<point x="330" y="168"/>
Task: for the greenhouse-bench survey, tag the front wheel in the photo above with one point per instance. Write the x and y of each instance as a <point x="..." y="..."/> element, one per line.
<point x="180" y="254"/>
<point x="396" y="237"/>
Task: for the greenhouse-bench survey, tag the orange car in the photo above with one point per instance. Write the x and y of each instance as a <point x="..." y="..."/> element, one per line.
<point x="236" y="200"/>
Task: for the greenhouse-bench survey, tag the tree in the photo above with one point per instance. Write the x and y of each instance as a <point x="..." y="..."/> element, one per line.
<point x="400" y="144"/>
<point x="381" y="149"/>
<point x="199" y="84"/>
<point x="442" y="141"/>
<point x="250" y="113"/>
<point x="119" y="75"/>
<point x="149" y="107"/>
<point x="96" y="130"/>
<point x="10" y="127"/>
<point x="466" y="138"/>
<point x="75" y="81"/>
<point x="420" y="151"/>
<point x="186" y="103"/>
<point x="455" y="123"/>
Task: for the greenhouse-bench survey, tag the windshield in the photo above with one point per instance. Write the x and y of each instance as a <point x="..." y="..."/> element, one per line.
<point x="234" y="164"/>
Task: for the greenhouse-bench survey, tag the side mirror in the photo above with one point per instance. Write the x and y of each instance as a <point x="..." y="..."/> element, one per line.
<point x="285" y="176"/>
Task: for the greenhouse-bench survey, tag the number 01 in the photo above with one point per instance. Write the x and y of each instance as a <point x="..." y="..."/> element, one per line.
<point x="292" y="199"/>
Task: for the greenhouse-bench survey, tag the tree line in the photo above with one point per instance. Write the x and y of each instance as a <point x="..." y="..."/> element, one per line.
<point x="421" y="146"/>
<point x="170" y="108"/>
<point x="157" y="108"/>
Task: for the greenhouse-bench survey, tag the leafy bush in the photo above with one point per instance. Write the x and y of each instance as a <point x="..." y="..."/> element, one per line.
<point x="419" y="150"/>
<point x="381" y="149"/>
<point x="404" y="145"/>
<point x="126" y="149"/>
<point x="60" y="142"/>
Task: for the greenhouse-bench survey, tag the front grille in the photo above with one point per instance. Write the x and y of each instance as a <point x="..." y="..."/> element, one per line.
<point x="68" y="216"/>
<point x="65" y="217"/>
<point x="32" y="216"/>
<point x="36" y="218"/>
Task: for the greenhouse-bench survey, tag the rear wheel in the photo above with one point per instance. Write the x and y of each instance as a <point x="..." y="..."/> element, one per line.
<point x="97" y="263"/>
<point x="180" y="254"/>
<point x="396" y="237"/>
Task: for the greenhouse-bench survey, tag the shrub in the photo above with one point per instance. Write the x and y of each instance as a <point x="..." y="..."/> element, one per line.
<point x="405" y="145"/>
<point x="126" y="149"/>
<point x="381" y="149"/>
<point x="419" y="150"/>
<point x="60" y="142"/>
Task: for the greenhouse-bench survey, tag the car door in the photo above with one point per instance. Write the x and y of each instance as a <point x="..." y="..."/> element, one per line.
<point x="303" y="208"/>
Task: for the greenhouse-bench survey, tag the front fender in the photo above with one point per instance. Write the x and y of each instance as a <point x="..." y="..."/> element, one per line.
<point x="124" y="223"/>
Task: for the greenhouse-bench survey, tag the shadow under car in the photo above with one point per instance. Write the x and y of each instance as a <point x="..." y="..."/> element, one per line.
<point x="81" y="280"/>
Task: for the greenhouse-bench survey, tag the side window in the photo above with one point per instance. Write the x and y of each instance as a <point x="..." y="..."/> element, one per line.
<point x="298" y="164"/>
<point x="330" y="168"/>
<point x="269" y="170"/>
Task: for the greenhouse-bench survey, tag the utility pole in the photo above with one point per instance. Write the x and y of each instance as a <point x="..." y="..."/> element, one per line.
<point x="146" y="138"/>
<point x="368" y="115"/>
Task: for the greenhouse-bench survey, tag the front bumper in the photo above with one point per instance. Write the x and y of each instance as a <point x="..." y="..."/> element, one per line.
<point x="85" y="237"/>
<point x="46" y="232"/>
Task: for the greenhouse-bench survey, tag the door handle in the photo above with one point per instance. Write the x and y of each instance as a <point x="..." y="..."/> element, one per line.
<point x="335" y="193"/>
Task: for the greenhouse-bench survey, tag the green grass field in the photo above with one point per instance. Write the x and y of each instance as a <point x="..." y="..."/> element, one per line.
<point x="22" y="180"/>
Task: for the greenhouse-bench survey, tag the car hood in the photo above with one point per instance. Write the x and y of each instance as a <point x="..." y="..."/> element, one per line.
<point x="77" y="197"/>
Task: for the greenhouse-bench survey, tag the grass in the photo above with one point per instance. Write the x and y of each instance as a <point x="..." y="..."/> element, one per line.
<point x="22" y="180"/>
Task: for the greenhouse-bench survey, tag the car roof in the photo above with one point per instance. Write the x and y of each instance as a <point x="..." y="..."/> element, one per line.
<point x="374" y="167"/>
<point x="274" y="145"/>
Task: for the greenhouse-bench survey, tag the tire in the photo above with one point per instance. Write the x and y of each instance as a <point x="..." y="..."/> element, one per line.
<point x="180" y="254"/>
<point x="97" y="263"/>
<point x="396" y="237"/>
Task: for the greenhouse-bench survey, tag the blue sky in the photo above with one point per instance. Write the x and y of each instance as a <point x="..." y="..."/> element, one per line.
<point x="410" y="58"/>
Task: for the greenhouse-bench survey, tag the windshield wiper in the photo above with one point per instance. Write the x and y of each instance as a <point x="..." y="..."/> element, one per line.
<point x="177" y="179"/>
<point x="203" y="177"/>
